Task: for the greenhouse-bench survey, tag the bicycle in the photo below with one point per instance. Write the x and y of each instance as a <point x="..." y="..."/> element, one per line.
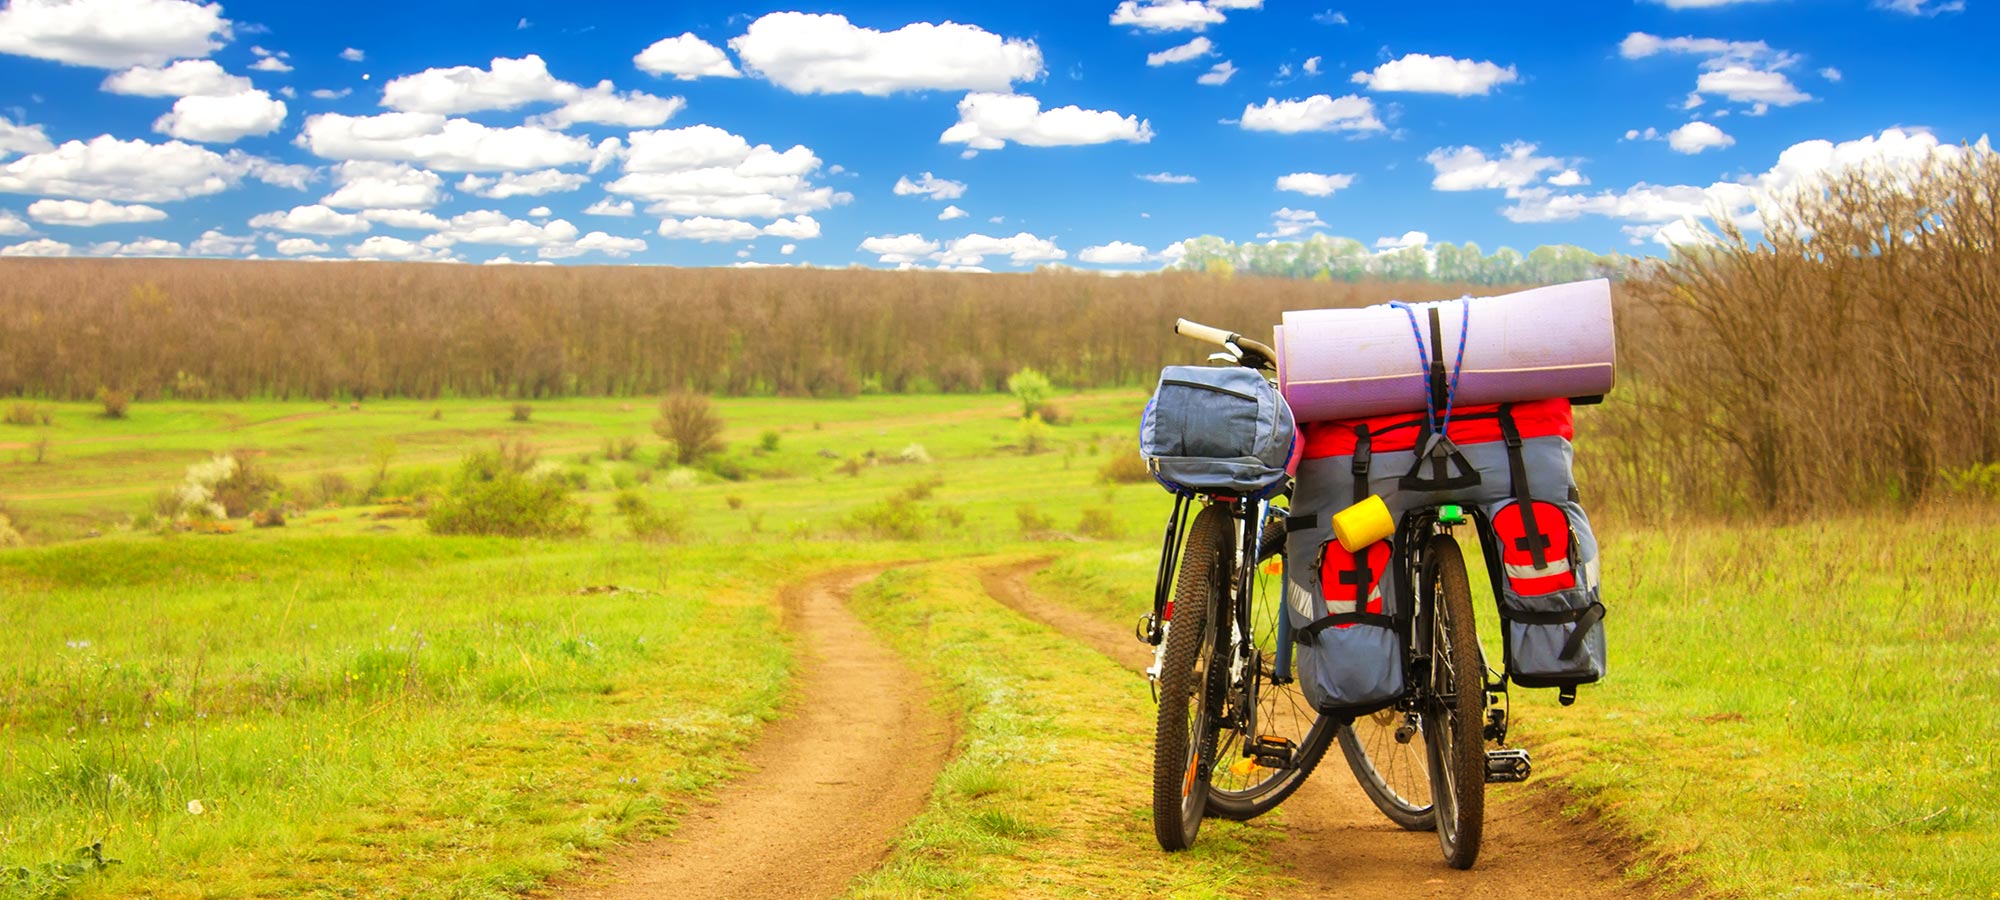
<point x="1225" y="686"/>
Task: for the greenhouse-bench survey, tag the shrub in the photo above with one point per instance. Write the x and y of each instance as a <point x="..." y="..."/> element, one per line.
<point x="114" y="402"/>
<point x="1031" y="388"/>
<point x="1125" y="467"/>
<point x="897" y="518"/>
<point x="621" y="449"/>
<point x="851" y="466"/>
<point x="646" y="522"/>
<point x="272" y="517"/>
<point x="921" y="490"/>
<point x="694" y="428"/>
<point x="329" y="489"/>
<point x="1053" y="413"/>
<point x="10" y="533"/>
<point x="493" y="493"/>
<point x="522" y="411"/>
<point x="725" y="468"/>
<point x="246" y="487"/>
<point x="768" y="441"/>
<point x="1033" y="520"/>
<point x="1098" y="522"/>
<point x="915" y="453"/>
<point x="1034" y="434"/>
<point x="29" y="414"/>
<point x="734" y="501"/>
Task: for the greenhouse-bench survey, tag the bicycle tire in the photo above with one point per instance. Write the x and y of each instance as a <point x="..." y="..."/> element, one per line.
<point x="1457" y="748"/>
<point x="1281" y="710"/>
<point x="1184" y="736"/>
<point x="1394" y="774"/>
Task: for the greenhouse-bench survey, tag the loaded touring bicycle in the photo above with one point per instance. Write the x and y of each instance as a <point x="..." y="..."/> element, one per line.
<point x="1312" y="590"/>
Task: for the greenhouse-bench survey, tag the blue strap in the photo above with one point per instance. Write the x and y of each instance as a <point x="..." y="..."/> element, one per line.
<point x="1424" y="361"/>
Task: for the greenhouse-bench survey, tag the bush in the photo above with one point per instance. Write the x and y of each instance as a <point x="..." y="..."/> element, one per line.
<point x="1033" y="520"/>
<point x="245" y="488"/>
<point x="921" y="490"/>
<point x="896" y="519"/>
<point x="329" y="489"/>
<point x="114" y="402"/>
<point x="768" y="441"/>
<point x="29" y="414"/>
<point x="1031" y="388"/>
<point x="621" y="449"/>
<point x="10" y="533"/>
<point x="1125" y="467"/>
<point x="494" y="493"/>
<point x="1053" y="413"/>
<point x="1098" y="522"/>
<point x="694" y="428"/>
<point x="522" y="411"/>
<point x="646" y="522"/>
<point x="1034" y="434"/>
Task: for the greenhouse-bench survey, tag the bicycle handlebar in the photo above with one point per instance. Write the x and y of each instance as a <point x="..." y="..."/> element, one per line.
<point x="1228" y="339"/>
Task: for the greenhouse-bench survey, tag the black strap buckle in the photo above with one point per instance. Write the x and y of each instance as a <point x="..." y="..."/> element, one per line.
<point x="1450" y="470"/>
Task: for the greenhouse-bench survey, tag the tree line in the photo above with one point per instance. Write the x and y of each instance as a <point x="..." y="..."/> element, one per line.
<point x="1345" y="259"/>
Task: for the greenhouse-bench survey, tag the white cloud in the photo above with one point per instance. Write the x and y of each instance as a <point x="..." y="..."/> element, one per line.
<point x="1695" y="137"/>
<point x="145" y="246"/>
<point x="1568" y="178"/>
<point x="451" y="145"/>
<point x="797" y="228"/>
<point x="1315" y="113"/>
<point x="112" y="34"/>
<point x="523" y="184"/>
<point x="686" y="57"/>
<point x="540" y="212"/>
<point x="1166" y="178"/>
<point x="300" y="246"/>
<point x="1469" y="169"/>
<point x="352" y="55"/>
<point x="620" y="247"/>
<point x="1741" y="71"/>
<point x="1329" y="17"/>
<point x="930" y="186"/>
<point x="365" y="184"/>
<point x="899" y="249"/>
<point x="271" y="64"/>
<point x="38" y="247"/>
<point x="1744" y="84"/>
<point x="787" y="249"/>
<point x="1021" y="249"/>
<point x="187" y="78"/>
<point x="1312" y="184"/>
<point x="1639" y="45"/>
<point x="1921" y="7"/>
<point x="96" y="212"/>
<point x="1167" y="15"/>
<point x="330" y="94"/>
<point x="952" y="212"/>
<point x="610" y="207"/>
<point x="604" y="105"/>
<point x="504" y="260"/>
<point x="11" y="224"/>
<point x="1288" y="222"/>
<point x="1409" y="239"/>
<point x="497" y="228"/>
<point x="390" y="248"/>
<point x="708" y="229"/>
<point x="1218" y="74"/>
<point x="1116" y="252"/>
<point x="1194" y="49"/>
<point x="215" y="243"/>
<point x="22" y="139"/>
<point x="412" y="219"/>
<point x="222" y="120"/>
<point x="1830" y="73"/>
<point x="825" y="54"/>
<point x="702" y="170"/>
<point x="504" y="84"/>
<point x="314" y="219"/>
<point x="989" y="121"/>
<point x="132" y="171"/>
<point x="1422" y="73"/>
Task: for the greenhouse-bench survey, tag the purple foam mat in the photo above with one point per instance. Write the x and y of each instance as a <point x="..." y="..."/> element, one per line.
<point x="1548" y="342"/>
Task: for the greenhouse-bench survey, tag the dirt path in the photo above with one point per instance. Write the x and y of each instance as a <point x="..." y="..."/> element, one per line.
<point x="1339" y="845"/>
<point x="834" y="781"/>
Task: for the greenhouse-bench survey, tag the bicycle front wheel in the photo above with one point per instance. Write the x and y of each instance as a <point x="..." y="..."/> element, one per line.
<point x="1453" y="706"/>
<point x="1184" y="738"/>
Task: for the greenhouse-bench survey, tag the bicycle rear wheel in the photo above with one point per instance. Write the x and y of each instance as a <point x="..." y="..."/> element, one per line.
<point x="1390" y="758"/>
<point x="1184" y="738"/>
<point x="1241" y="787"/>
<point x="1453" y="706"/>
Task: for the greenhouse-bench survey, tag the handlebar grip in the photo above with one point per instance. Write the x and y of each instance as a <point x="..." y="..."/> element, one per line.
<point x="1202" y="332"/>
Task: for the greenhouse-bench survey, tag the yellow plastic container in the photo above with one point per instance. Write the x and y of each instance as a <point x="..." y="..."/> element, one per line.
<point x="1363" y="524"/>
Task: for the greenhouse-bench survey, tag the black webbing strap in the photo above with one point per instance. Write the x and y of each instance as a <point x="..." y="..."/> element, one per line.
<point x="1517" y="472"/>
<point x="1585" y="619"/>
<point x="1363" y="456"/>
<point x="1301" y="523"/>
<point x="1310" y="633"/>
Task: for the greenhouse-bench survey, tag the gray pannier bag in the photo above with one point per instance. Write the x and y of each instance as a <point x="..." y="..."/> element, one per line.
<point x="1217" y="430"/>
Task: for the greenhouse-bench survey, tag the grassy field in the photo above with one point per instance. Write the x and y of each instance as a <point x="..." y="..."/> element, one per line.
<point x="348" y="706"/>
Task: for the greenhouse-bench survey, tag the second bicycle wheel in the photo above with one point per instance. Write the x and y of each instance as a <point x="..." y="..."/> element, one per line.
<point x="1453" y="706"/>
<point x="1185" y="734"/>
<point x="1390" y="758"/>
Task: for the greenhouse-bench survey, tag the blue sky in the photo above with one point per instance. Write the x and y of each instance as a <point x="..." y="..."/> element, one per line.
<point x="779" y="133"/>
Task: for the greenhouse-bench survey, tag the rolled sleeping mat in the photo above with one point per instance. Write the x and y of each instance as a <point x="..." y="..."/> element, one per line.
<point x="1554" y="341"/>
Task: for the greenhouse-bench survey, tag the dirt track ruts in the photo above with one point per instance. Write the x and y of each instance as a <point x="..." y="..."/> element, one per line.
<point x="834" y="781"/>
<point x="1338" y="845"/>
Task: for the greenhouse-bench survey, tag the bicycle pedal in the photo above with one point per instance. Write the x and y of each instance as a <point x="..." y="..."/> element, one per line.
<point x="1509" y="766"/>
<point x="1273" y="752"/>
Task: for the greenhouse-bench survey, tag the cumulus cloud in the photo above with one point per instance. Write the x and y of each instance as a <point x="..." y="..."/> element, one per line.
<point x="900" y="249"/>
<point x="951" y="212"/>
<point x="1288" y="222"/>
<point x="1470" y="169"/>
<point x="1741" y="71"/>
<point x="609" y="207"/>
<point x="96" y="212"/>
<point x="11" y="224"/>
<point x="609" y="245"/>
<point x="1311" y="65"/>
<point x="826" y="54"/>
<point x="504" y="84"/>
<point x="352" y="55"/>
<point x="1021" y="249"/>
<point x="1921" y="7"/>
<point x="523" y="184"/>
<point x="1312" y="184"/>
<point x="988" y="121"/>
<point x="1116" y="252"/>
<point x="1409" y="239"/>
<point x="1422" y="73"/>
<point x="271" y="64"/>
<point x="216" y="243"/>
<point x="412" y="219"/>
<point x="1695" y="137"/>
<point x="300" y="246"/>
<point x="605" y="105"/>
<point x="112" y="34"/>
<point x="1316" y="113"/>
<point x="1168" y="15"/>
<point x="1744" y="84"/>
<point x="38" y="247"/>
<point x="930" y="186"/>
<point x="314" y="219"/>
<point x="1166" y="178"/>
<point x="1194" y="49"/>
<point x="1218" y="74"/>
<point x="797" y="228"/>
<point x="222" y="120"/>
<point x="135" y="171"/>
<point x="702" y="170"/>
<point x="496" y="228"/>
<point x="686" y="58"/>
<point x="384" y="247"/>
<point x="709" y="229"/>
<point x="187" y="78"/>
<point x="16" y="138"/>
<point x="145" y="246"/>
<point x="365" y="184"/>
<point x="437" y="142"/>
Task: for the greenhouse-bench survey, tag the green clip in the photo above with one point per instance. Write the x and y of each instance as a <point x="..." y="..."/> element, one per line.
<point x="1451" y="514"/>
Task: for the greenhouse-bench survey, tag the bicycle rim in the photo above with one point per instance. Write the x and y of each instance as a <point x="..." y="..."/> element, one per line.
<point x="1453" y="707"/>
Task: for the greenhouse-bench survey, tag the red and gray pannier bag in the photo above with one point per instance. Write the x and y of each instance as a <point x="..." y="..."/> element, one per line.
<point x="1545" y="564"/>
